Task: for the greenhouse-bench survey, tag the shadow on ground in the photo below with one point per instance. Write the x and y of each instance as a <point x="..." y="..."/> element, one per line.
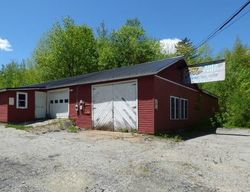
<point x="231" y="134"/>
<point x="191" y="134"/>
<point x="203" y="131"/>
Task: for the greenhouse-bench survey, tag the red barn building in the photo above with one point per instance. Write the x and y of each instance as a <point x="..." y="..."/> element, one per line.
<point x="150" y="97"/>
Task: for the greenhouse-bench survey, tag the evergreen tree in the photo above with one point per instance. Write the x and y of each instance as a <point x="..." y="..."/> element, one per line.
<point x="186" y="48"/>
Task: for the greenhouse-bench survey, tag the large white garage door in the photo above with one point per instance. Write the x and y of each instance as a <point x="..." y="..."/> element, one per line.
<point x="58" y="103"/>
<point x="115" y="106"/>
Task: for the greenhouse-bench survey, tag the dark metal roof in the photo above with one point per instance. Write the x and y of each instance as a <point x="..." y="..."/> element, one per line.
<point x="150" y="68"/>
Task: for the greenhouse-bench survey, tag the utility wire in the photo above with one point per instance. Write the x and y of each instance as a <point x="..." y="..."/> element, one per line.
<point x="235" y="20"/>
<point x="222" y="27"/>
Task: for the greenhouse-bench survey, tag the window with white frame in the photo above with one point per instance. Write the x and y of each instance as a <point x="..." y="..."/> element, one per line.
<point x="186" y="109"/>
<point x="178" y="108"/>
<point x="183" y="108"/>
<point x="174" y="108"/>
<point x="21" y="100"/>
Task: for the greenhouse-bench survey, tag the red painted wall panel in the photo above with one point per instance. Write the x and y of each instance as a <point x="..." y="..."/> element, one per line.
<point x="146" y="105"/>
<point x="200" y="106"/>
<point x="175" y="73"/>
<point x="3" y="107"/>
<point x="22" y="115"/>
<point x="83" y="118"/>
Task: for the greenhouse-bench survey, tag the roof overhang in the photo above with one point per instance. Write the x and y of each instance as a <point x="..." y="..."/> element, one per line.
<point x="21" y="89"/>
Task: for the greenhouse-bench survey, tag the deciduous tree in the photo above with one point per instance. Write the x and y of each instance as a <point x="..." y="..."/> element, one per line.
<point x="67" y="50"/>
<point x="127" y="46"/>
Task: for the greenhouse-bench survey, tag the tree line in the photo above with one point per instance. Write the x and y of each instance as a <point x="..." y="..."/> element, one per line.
<point x="68" y="49"/>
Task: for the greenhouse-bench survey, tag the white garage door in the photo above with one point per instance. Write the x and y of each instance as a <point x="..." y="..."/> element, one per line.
<point x="58" y="103"/>
<point x="115" y="106"/>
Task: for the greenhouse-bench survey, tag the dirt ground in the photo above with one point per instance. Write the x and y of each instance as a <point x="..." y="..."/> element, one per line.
<point x="98" y="161"/>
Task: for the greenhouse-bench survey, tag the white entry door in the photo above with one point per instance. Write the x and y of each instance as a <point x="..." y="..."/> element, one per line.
<point x="40" y="105"/>
<point x="115" y="106"/>
<point x="58" y="103"/>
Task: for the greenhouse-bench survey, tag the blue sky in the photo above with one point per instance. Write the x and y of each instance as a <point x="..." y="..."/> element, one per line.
<point x="24" y="22"/>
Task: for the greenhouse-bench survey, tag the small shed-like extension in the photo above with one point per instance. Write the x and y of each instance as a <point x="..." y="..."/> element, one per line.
<point x="148" y="98"/>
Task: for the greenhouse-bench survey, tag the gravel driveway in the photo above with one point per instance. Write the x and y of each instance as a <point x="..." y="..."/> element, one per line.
<point x="109" y="161"/>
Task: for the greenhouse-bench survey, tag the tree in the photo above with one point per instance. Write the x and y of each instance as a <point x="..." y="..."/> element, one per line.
<point x="106" y="57"/>
<point x="12" y="75"/>
<point x="186" y="48"/>
<point x="234" y="92"/>
<point x="203" y="54"/>
<point x="67" y="50"/>
<point x="127" y="46"/>
<point x="193" y="56"/>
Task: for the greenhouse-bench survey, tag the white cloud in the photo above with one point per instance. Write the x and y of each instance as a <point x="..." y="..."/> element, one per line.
<point x="5" y="45"/>
<point x="168" y="45"/>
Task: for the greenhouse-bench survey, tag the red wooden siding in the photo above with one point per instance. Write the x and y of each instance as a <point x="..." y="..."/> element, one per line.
<point x="175" y="73"/>
<point x="200" y="105"/>
<point x="83" y="118"/>
<point x="3" y="107"/>
<point x="146" y="105"/>
<point x="22" y="115"/>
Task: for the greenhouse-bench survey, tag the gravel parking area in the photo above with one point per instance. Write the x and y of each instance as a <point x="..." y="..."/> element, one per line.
<point x="108" y="161"/>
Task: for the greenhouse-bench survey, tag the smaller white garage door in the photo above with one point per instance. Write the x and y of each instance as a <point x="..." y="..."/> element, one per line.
<point x="58" y="103"/>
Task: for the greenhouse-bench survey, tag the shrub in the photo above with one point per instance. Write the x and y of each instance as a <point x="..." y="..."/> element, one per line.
<point x="73" y="129"/>
<point x="17" y="126"/>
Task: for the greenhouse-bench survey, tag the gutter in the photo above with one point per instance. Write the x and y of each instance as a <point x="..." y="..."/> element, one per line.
<point x="21" y="89"/>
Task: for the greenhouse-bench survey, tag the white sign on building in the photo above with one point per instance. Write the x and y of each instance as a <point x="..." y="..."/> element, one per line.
<point x="207" y="72"/>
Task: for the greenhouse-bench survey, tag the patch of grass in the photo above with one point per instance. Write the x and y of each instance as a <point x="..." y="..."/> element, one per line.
<point x="18" y="126"/>
<point x="234" y="127"/>
<point x="126" y="130"/>
<point x="123" y="130"/>
<point x="172" y="137"/>
<point x="73" y="129"/>
<point x="144" y="169"/>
